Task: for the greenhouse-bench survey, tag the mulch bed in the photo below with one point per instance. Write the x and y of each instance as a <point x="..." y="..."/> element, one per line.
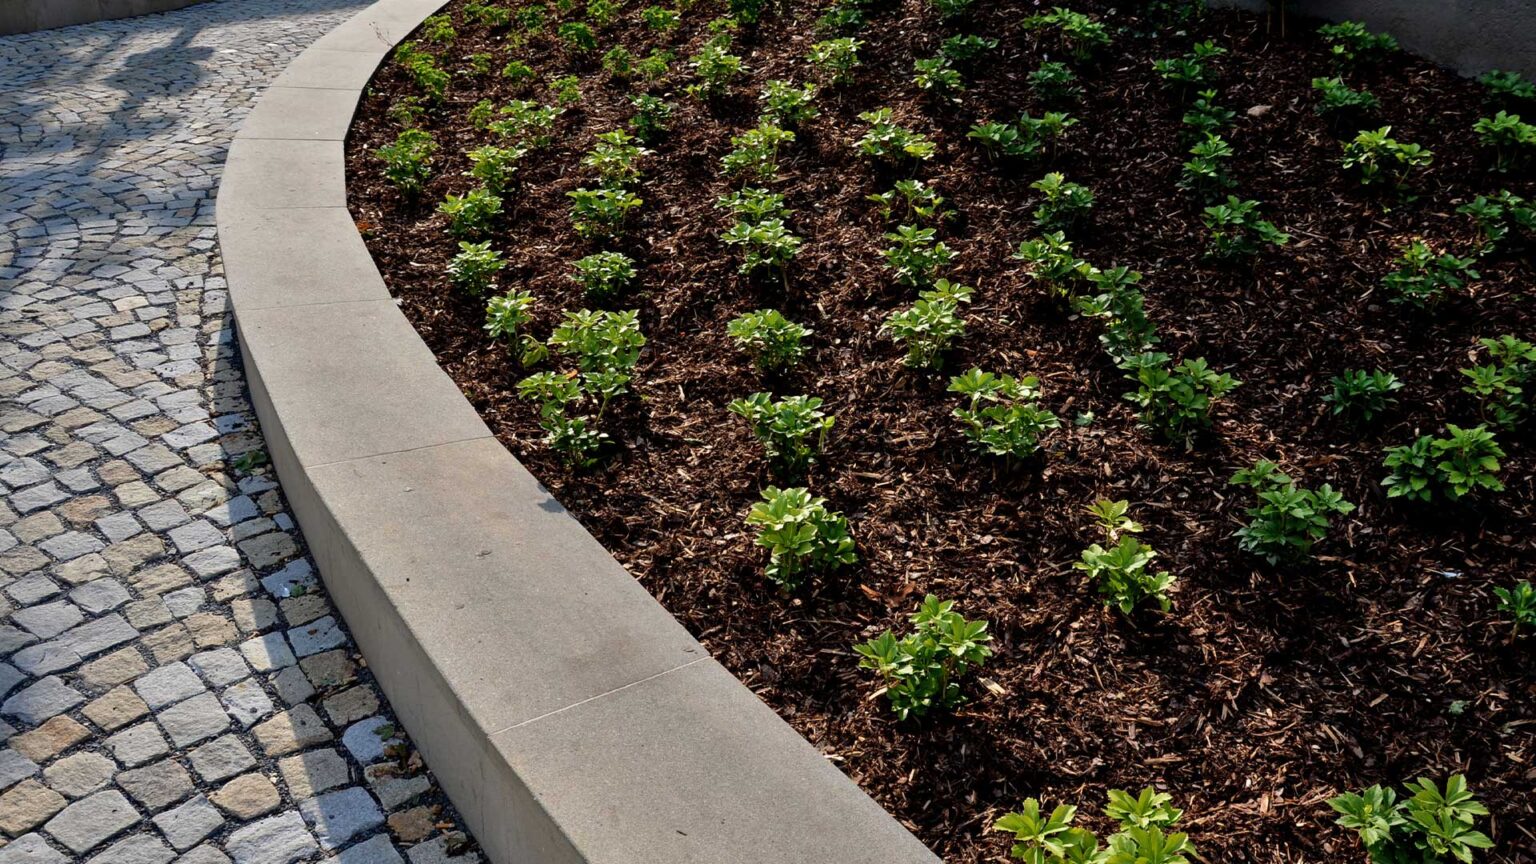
<point x="1266" y="690"/>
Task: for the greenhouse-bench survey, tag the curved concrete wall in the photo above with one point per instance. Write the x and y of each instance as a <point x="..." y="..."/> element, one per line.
<point x="1471" y="36"/>
<point x="25" y="16"/>
<point x="570" y="718"/>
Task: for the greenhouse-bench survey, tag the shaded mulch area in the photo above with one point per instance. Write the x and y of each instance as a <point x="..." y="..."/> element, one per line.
<point x="1266" y="690"/>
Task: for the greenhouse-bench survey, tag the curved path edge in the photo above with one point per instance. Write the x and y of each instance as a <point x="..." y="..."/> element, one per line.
<point x="568" y="716"/>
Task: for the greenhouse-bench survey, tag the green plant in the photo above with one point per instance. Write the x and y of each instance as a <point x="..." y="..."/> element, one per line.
<point x="768" y="244"/>
<point x="1175" y="401"/>
<point x="1055" y="82"/>
<point x="660" y="19"/>
<point x="950" y="8"/>
<point x="488" y="14"/>
<point x="652" y="113"/>
<point x="475" y="267"/>
<point x="1026" y="138"/>
<point x="891" y="142"/>
<point x="1432" y="826"/>
<point x="1519" y="603"/>
<point x="1350" y="42"/>
<point x="1411" y="470"/>
<point x="1205" y="117"/>
<point x="408" y="161"/>
<point x="1120" y="304"/>
<point x="1422" y="277"/>
<point x="841" y="16"/>
<point x="508" y="316"/>
<point x="601" y="212"/>
<point x="495" y="166"/>
<point x="470" y="215"/>
<point x="1513" y="141"/>
<point x="1123" y="576"/>
<point x="1508" y="86"/>
<point x="836" y="58"/>
<point x="531" y="18"/>
<point x="1500" y="385"/>
<point x="619" y="62"/>
<point x="406" y="112"/>
<point x="916" y="255"/>
<point x="1363" y="395"/>
<point x="937" y="76"/>
<point x="786" y="105"/>
<point x="792" y="430"/>
<point x="602" y="12"/>
<point x="655" y="65"/>
<point x="479" y="64"/>
<point x="800" y="534"/>
<point x="1464" y="461"/>
<point x="1050" y="259"/>
<point x="601" y="341"/>
<point x="526" y="123"/>
<point x="1499" y="218"/>
<point x="481" y="114"/>
<point x="773" y="341"/>
<point x="613" y="157"/>
<point x="566" y="89"/>
<point x="578" y="37"/>
<point x="1082" y="36"/>
<point x="1377" y="157"/>
<point x="747" y="11"/>
<point x="439" y="29"/>
<point x="922" y="670"/>
<point x="1237" y="232"/>
<point x="1336" y="98"/>
<point x="756" y="151"/>
<point x="930" y="325"/>
<point x="519" y="73"/>
<point x="424" y="72"/>
<point x="1063" y="204"/>
<point x="754" y="205"/>
<point x="715" y="68"/>
<point x="560" y="396"/>
<point x="1286" y="520"/>
<point x="909" y="201"/>
<point x="1003" y="416"/>
<point x="1140" y="838"/>
<point x="1191" y="70"/>
<point x="604" y="275"/>
<point x="964" y="48"/>
<point x="1205" y="171"/>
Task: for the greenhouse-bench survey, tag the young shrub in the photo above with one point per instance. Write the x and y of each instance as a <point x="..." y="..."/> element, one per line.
<point x="431" y="79"/>
<point x="931" y="325"/>
<point x="769" y="245"/>
<point x="601" y="341"/>
<point x="1423" y="278"/>
<point x="1205" y="172"/>
<point x="613" y="157"/>
<point x="890" y="142"/>
<point x="601" y="213"/>
<point x="1003" y="416"/>
<point x="1064" y="203"/>
<point x="1363" y="396"/>
<point x="801" y="535"/>
<point x="756" y="152"/>
<point x="787" y="105"/>
<point x="715" y="68"/>
<point x="439" y="29"/>
<point x="754" y="205"/>
<point x="1287" y="520"/>
<point x="495" y="166"/>
<point x="836" y="59"/>
<point x="408" y="161"/>
<point x="841" y="16"/>
<point x="566" y="89"/>
<point x="1379" y="158"/>
<point x="655" y="65"/>
<point x="507" y="317"/>
<point x="922" y="670"/>
<point x="1028" y="138"/>
<point x="1175" y="401"/>
<point x="604" y="275"/>
<point x="577" y="37"/>
<point x="652" y="113"/>
<point x="619" y="63"/>
<point x="481" y="114"/>
<point x="772" y="341"/>
<point x="1055" y="83"/>
<point x="1411" y="470"/>
<point x="1050" y="260"/>
<point x="1122" y="572"/>
<point x="474" y="269"/>
<point x="520" y="74"/>
<point x="1508" y="86"/>
<point x="1513" y="141"/>
<point x="1500" y="385"/>
<point x="916" y="255"/>
<point x="1349" y="42"/>
<point x="1501" y="219"/>
<point x="406" y="112"/>
<point x="1236" y="232"/>
<point x="1205" y="117"/>
<point x="1519" y="603"/>
<point x="526" y="123"/>
<point x="792" y="430"/>
<point x="479" y="65"/>
<point x="530" y="19"/>
<point x="1140" y="839"/>
<point x="602" y="12"/>
<point x="470" y="215"/>
<point x="1434" y="825"/>
<point x="1082" y="36"/>
<point x="963" y="49"/>
<point x="1336" y="99"/>
<point x="746" y="11"/>
<point x="911" y="201"/>
<point x="1120" y="304"/>
<point x="1457" y="465"/>
<point x="938" y="77"/>
<point x="561" y="398"/>
<point x="1192" y="70"/>
<point x="660" y="19"/>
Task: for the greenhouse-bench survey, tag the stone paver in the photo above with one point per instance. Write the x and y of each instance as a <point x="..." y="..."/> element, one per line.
<point x="168" y="694"/>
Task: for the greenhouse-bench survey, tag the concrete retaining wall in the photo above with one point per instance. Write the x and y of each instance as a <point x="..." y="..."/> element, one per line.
<point x="25" y="16"/>
<point x="1472" y="36"/>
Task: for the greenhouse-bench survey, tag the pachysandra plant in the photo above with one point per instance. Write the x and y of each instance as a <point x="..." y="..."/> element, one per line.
<point x="801" y="535"/>
<point x="1336" y="99"/>
<point x="1466" y="460"/>
<point x="660" y="18"/>
<point x="792" y="430"/>
<point x="922" y="670"/>
<point x="1175" y="400"/>
<point x="1508" y="86"/>
<point x="606" y="347"/>
<point x="577" y="37"/>
<point x="1143" y="836"/>
<point x="569" y="432"/>
<point x="601" y="212"/>
<point x="615" y="157"/>
<point x="408" y="161"/>
<point x="756" y="152"/>
<point x="473" y="270"/>
<point x="1502" y="219"/>
<point x="931" y="325"/>
<point x="1055" y="83"/>
<point x="1115" y="299"/>
<point x="1122" y="572"/>
<point x="1378" y="158"/>
<point x="1423" y="277"/>
<point x="1363" y="396"/>
<point x="1063" y="203"/>
<point x="963" y="48"/>
<point x="915" y="255"/>
<point x="889" y="141"/>
<point x="1500" y="386"/>
<point x="470" y="215"/>
<point x="1205" y="171"/>
<point x="1082" y="36"/>
<point x="1286" y="520"/>
<point x="1028" y="138"/>
<point x="1206" y="117"/>
<point x="1351" y="43"/>
<point x="1236" y="230"/>
<point x="1050" y="260"/>
<point x="786" y="105"/>
<point x="1512" y="140"/>
<point x="716" y="67"/>
<point x="604" y="275"/>
<point x="1519" y="603"/>
<point x="836" y="59"/>
<point x="1002" y="416"/>
<point x="772" y="341"/>
<point x="910" y="202"/>
<point x="507" y="317"/>
<point x="1433" y="825"/>
<point x="1191" y="70"/>
<point x="652" y="114"/>
<point x="600" y="341"/>
<point x="495" y="166"/>
<point x="526" y="123"/>
<point x="768" y="244"/>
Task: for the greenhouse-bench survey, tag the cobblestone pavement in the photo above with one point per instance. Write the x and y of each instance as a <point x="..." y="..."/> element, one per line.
<point x="174" y="685"/>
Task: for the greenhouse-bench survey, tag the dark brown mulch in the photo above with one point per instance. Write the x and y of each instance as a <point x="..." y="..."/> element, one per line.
<point x="1267" y="690"/>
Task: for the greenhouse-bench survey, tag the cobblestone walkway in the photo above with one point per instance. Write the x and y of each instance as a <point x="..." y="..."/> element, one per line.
<point x="174" y="685"/>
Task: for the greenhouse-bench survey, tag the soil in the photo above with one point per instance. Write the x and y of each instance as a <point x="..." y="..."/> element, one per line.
<point x="1267" y="689"/>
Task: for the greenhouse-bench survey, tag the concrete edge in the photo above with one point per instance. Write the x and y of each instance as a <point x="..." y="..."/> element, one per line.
<point x="30" y="16"/>
<point x="568" y="716"/>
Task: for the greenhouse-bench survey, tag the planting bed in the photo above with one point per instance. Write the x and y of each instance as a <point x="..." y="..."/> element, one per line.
<point x="1268" y="688"/>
